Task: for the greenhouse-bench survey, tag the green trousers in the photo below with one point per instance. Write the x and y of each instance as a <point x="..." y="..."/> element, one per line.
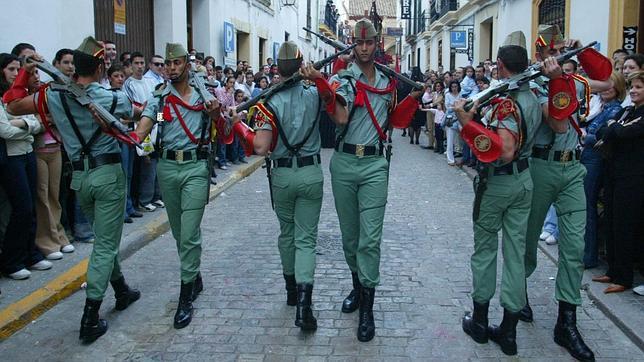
<point x="505" y="207"/>
<point x="561" y="183"/>
<point x="297" y="193"/>
<point x="101" y="195"/>
<point x="360" y="191"/>
<point x="184" y="185"/>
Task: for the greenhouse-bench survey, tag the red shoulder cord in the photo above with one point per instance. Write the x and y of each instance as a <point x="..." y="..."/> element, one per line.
<point x="41" y="107"/>
<point x="363" y="100"/>
<point x="172" y="101"/>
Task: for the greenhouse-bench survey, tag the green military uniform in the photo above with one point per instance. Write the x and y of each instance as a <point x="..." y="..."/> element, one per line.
<point x="182" y="169"/>
<point x="505" y="206"/>
<point x="360" y="182"/>
<point x="98" y="179"/>
<point x="297" y="179"/>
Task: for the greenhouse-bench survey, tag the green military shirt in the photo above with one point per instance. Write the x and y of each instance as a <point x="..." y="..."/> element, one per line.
<point x="529" y="110"/>
<point x="173" y="135"/>
<point x="297" y="109"/>
<point x="361" y="128"/>
<point x="545" y="135"/>
<point x="84" y="119"/>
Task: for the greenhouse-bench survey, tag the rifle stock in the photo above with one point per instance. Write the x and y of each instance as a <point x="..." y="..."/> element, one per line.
<point x="381" y="67"/>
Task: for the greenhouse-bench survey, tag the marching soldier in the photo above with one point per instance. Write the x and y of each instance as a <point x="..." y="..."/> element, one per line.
<point x="359" y="172"/>
<point x="558" y="178"/>
<point x="184" y="130"/>
<point x="503" y="197"/>
<point x="98" y="178"/>
<point x="287" y="127"/>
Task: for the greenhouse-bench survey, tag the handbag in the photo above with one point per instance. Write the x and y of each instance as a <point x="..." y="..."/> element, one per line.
<point x="449" y="121"/>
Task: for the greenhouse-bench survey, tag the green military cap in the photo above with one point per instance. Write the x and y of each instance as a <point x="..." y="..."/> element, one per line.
<point x="174" y="50"/>
<point x="548" y="35"/>
<point x="92" y="47"/>
<point x="288" y="50"/>
<point x="515" y="38"/>
<point x="364" y="29"/>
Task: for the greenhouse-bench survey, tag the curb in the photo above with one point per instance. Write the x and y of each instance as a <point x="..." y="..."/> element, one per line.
<point x="19" y="314"/>
<point x="605" y="308"/>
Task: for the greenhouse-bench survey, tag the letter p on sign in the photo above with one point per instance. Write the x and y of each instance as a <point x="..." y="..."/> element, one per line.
<point x="229" y="37"/>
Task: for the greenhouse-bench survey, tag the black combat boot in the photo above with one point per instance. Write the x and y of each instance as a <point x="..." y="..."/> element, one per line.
<point x="505" y="335"/>
<point x="291" y="290"/>
<point x="567" y="335"/>
<point x="124" y="294"/>
<point x="92" y="326"/>
<point x="303" y="313"/>
<point x="198" y="287"/>
<point x="525" y="314"/>
<point x="475" y="325"/>
<point x="183" y="317"/>
<point x="352" y="302"/>
<point x="366" y="326"/>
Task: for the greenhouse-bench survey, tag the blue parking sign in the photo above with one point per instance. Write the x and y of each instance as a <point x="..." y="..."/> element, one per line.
<point x="458" y="39"/>
<point x="229" y="37"/>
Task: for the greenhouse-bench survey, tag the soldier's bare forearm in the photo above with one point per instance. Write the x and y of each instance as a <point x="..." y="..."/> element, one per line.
<point x="144" y="127"/>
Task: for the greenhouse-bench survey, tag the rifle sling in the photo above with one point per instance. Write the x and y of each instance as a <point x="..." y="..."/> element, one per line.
<point x="294" y="150"/>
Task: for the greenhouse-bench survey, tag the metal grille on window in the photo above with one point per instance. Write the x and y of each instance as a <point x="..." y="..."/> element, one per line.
<point x="553" y="12"/>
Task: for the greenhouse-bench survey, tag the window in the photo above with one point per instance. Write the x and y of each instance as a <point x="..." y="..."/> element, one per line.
<point x="553" y="12"/>
<point x="261" y="52"/>
<point x="308" y="14"/>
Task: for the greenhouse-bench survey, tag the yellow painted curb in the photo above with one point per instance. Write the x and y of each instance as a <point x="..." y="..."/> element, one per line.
<point x="20" y="313"/>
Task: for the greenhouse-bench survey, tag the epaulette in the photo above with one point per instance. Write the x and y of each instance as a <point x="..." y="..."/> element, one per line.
<point x="503" y="107"/>
<point x="262" y="115"/>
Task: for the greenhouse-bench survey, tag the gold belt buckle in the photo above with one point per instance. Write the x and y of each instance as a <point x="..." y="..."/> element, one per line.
<point x="178" y="155"/>
<point x="360" y="150"/>
<point x="565" y="156"/>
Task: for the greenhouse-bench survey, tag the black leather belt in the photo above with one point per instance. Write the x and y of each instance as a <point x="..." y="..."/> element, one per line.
<point x="97" y="161"/>
<point x="180" y="155"/>
<point x="361" y="150"/>
<point x="508" y="169"/>
<point x="301" y="161"/>
<point x="560" y="156"/>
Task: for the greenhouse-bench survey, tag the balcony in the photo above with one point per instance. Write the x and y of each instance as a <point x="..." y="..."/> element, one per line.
<point x="438" y="8"/>
<point x="329" y="25"/>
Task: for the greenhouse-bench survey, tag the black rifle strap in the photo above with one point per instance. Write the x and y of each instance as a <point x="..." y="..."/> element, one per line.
<point x="293" y="150"/>
<point x="160" y="125"/>
<point x="72" y="122"/>
<point x="353" y="110"/>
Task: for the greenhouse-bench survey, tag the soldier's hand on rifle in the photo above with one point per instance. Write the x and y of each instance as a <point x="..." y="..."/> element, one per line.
<point x="572" y="44"/>
<point x="212" y="108"/>
<point x="97" y="118"/>
<point x="347" y="58"/>
<point x="308" y="72"/>
<point x="551" y="68"/>
<point x="29" y="63"/>
<point x="234" y="116"/>
<point x="463" y="115"/>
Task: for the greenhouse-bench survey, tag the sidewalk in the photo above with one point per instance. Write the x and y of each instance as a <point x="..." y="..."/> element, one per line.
<point x="626" y="309"/>
<point x="23" y="301"/>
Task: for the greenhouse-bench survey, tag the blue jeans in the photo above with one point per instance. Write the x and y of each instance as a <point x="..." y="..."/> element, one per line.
<point x="82" y="229"/>
<point x="149" y="186"/>
<point x="221" y="153"/>
<point x="18" y="178"/>
<point x="467" y="154"/>
<point x="591" y="159"/>
<point x="550" y="224"/>
<point x="127" y="162"/>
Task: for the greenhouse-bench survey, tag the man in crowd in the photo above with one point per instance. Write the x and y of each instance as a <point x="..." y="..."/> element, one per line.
<point x="154" y="75"/>
<point x="98" y="178"/>
<point x="503" y="197"/>
<point x="248" y="86"/>
<point x="558" y="178"/>
<point x="184" y="132"/>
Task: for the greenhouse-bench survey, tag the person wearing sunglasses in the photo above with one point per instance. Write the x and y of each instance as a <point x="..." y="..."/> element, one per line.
<point x="154" y="75"/>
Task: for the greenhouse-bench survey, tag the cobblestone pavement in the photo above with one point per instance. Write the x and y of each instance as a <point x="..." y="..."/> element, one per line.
<point x="242" y="314"/>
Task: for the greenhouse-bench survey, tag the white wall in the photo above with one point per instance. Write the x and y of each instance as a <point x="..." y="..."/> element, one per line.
<point x="47" y="25"/>
<point x="170" y="24"/>
<point x="514" y="15"/>
<point x="589" y="22"/>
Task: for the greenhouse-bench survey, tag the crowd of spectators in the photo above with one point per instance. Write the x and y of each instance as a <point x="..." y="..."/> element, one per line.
<point x="40" y="216"/>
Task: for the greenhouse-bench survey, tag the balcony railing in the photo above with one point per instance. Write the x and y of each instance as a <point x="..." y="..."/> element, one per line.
<point x="438" y="8"/>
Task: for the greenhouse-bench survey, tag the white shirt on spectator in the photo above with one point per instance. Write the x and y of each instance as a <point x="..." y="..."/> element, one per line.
<point x="153" y="78"/>
<point x="137" y="90"/>
<point x="246" y="88"/>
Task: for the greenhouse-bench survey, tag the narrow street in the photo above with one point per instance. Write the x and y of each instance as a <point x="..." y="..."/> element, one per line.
<point x="242" y="314"/>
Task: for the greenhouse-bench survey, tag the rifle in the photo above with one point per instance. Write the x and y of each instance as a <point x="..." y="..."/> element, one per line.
<point x="289" y="82"/>
<point x="62" y="82"/>
<point x="197" y="80"/>
<point x="514" y="82"/>
<point x="381" y="67"/>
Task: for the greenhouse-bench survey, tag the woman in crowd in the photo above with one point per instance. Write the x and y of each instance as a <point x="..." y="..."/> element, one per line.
<point x="51" y="239"/>
<point x="451" y="124"/>
<point x="438" y="103"/>
<point x="632" y="63"/>
<point x="18" y="178"/>
<point x="622" y="139"/>
<point x="610" y="101"/>
<point x="237" y="155"/>
<point x="262" y="84"/>
<point x="226" y="97"/>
